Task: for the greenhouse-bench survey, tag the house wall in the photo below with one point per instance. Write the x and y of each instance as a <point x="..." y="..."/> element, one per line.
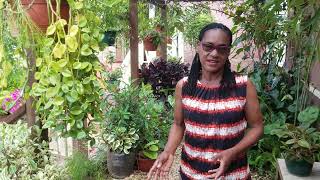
<point x="315" y="82"/>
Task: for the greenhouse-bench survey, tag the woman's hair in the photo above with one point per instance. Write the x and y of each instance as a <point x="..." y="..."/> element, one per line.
<point x="228" y="79"/>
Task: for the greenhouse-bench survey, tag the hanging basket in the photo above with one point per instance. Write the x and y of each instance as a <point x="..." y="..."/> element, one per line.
<point x="38" y="11"/>
<point x="148" y="44"/>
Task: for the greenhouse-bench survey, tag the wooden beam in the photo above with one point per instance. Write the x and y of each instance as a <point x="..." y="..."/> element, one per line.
<point x="13" y="118"/>
<point x="159" y="2"/>
<point x="134" y="41"/>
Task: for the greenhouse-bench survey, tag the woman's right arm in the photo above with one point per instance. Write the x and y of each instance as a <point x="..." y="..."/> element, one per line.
<point x="177" y="129"/>
<point x="162" y="165"/>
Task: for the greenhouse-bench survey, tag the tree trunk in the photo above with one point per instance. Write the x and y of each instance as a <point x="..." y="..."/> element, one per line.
<point x="133" y="8"/>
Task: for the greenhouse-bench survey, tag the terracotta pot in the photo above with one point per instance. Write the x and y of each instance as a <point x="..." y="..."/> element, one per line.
<point x="144" y="164"/>
<point x="38" y="11"/>
<point x="169" y="40"/>
<point x="148" y="45"/>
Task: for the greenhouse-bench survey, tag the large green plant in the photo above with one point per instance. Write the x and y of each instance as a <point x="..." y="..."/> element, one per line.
<point x="301" y="142"/>
<point x="67" y="86"/>
<point x="267" y="27"/>
<point x="119" y="130"/>
<point x="22" y="156"/>
<point x="134" y="109"/>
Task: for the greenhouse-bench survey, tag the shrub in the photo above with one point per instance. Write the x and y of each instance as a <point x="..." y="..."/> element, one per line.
<point x="23" y="157"/>
<point x="163" y="76"/>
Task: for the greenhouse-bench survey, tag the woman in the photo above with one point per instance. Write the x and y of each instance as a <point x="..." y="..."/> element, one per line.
<point x="213" y="107"/>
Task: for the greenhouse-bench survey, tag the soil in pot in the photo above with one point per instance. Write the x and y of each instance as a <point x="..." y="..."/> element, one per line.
<point x="144" y="164"/>
<point x="299" y="167"/>
<point x="120" y="165"/>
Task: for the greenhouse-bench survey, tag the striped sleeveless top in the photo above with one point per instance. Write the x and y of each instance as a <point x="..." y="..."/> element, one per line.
<point x="213" y="124"/>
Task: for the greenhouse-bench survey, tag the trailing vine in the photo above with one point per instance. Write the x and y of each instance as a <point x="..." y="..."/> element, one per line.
<point x="67" y="87"/>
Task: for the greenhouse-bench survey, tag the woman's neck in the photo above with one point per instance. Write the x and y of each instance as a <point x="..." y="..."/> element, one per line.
<point x="210" y="77"/>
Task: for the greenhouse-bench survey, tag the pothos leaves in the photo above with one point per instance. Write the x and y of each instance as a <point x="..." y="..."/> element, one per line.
<point x="66" y="73"/>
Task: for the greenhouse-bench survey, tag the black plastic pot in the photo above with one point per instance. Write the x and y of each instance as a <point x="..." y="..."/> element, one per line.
<point x="120" y="165"/>
<point x="299" y="167"/>
<point x="109" y="37"/>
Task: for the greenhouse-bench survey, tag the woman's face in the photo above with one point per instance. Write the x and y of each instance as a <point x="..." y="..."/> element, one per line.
<point x="214" y="50"/>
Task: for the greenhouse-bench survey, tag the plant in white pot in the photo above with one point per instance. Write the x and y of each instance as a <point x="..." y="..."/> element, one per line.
<point x="300" y="143"/>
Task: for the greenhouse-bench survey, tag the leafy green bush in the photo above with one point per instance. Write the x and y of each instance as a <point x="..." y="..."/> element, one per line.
<point x="24" y="157"/>
<point x="80" y="167"/>
<point x="196" y="18"/>
<point x="134" y="109"/>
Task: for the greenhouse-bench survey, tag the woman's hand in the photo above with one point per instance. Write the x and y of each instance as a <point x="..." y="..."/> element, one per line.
<point x="161" y="166"/>
<point x="224" y="158"/>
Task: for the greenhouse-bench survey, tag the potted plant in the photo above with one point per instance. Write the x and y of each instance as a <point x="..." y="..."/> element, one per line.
<point x="148" y="155"/>
<point x="121" y="156"/>
<point x="120" y="131"/>
<point x="38" y="11"/>
<point x="150" y="122"/>
<point x="300" y="143"/>
<point x="151" y="40"/>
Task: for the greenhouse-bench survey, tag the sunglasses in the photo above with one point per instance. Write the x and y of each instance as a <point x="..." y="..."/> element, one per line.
<point x="222" y="49"/>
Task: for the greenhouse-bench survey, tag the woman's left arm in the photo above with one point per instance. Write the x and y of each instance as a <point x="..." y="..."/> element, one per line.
<point x="252" y="136"/>
<point x="254" y="119"/>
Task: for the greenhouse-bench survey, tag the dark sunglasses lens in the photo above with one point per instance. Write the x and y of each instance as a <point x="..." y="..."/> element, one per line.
<point x="223" y="50"/>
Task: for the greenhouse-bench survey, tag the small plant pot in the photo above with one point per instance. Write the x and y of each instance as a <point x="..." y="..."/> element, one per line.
<point x="120" y="165"/>
<point x="144" y="164"/>
<point x="109" y="37"/>
<point x="299" y="167"/>
<point x="148" y="44"/>
<point x="38" y="11"/>
<point x="169" y="40"/>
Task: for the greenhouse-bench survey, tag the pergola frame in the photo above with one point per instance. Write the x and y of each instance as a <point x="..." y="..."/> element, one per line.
<point x="134" y="40"/>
